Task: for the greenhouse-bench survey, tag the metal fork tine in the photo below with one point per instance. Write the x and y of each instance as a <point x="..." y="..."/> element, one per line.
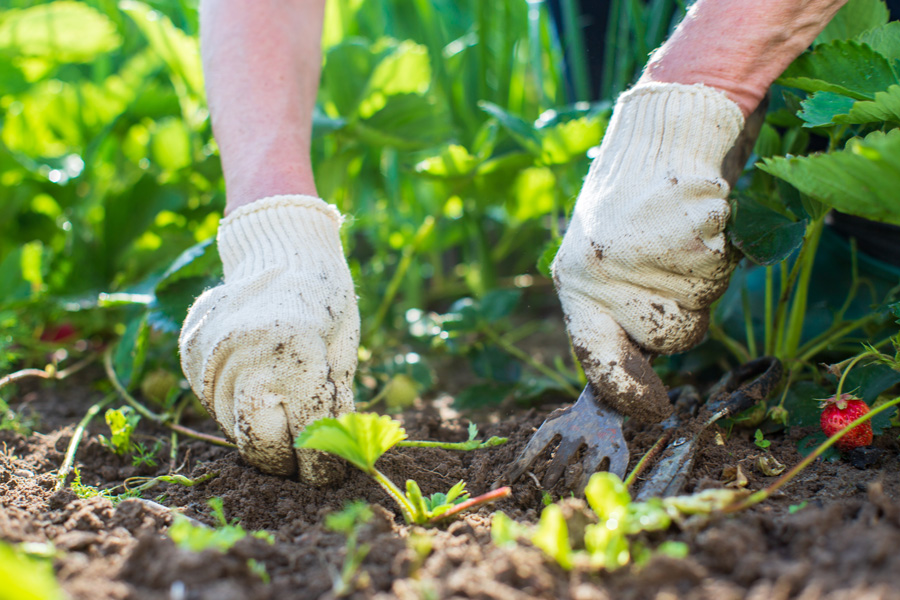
<point x="565" y="452"/>
<point x="538" y="443"/>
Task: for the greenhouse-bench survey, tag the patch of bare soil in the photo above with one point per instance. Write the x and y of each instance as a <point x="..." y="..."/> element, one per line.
<point x="839" y="541"/>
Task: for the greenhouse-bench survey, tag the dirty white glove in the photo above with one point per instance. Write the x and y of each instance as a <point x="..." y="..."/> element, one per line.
<point x="275" y="346"/>
<point x="645" y="253"/>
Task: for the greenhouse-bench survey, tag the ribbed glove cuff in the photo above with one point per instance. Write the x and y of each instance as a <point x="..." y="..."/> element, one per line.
<point x="659" y="128"/>
<point x="279" y="231"/>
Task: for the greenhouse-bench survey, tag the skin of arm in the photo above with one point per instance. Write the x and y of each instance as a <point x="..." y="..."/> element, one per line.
<point x="261" y="61"/>
<point x="739" y="47"/>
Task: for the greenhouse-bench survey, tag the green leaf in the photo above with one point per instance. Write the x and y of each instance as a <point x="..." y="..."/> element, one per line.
<point x="346" y="74"/>
<point x="195" y="270"/>
<point x="860" y="180"/>
<point x="607" y="547"/>
<point x="352" y="515"/>
<point x="456" y="491"/>
<point x="505" y="531"/>
<point x="568" y="141"/>
<point x="170" y="144"/>
<point x="820" y="109"/>
<point x="453" y="161"/>
<point x="59" y="31"/>
<point x="885" y="107"/>
<point x="406" y="70"/>
<point x="608" y="496"/>
<point x="417" y="501"/>
<point x="519" y="130"/>
<point x="178" y="50"/>
<point x="131" y="351"/>
<point x="854" y="18"/>
<point x="801" y="402"/>
<point x="547" y="256"/>
<point x="847" y="68"/>
<point x="646" y="516"/>
<point x="552" y="536"/>
<point x="25" y="578"/>
<point x="407" y="121"/>
<point x="498" y="304"/>
<point x="885" y="40"/>
<point x="763" y="235"/>
<point x="13" y="285"/>
<point x="122" y="423"/>
<point x="534" y="194"/>
<point x="359" y="438"/>
<point x="198" y="538"/>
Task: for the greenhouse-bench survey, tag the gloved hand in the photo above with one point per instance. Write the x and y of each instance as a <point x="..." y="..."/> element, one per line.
<point x="645" y="254"/>
<point x="275" y="346"/>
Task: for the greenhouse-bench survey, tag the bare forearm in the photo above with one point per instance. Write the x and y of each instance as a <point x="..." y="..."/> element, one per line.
<point x="739" y="47"/>
<point x="261" y="60"/>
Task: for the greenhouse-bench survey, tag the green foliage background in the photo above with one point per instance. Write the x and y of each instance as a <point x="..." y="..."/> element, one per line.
<point x="448" y="133"/>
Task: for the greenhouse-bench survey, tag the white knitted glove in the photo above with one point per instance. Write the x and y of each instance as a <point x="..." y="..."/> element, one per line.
<point x="275" y="346"/>
<point x="645" y="253"/>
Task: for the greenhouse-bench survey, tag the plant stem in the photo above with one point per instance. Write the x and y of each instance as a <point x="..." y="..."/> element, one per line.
<point x="808" y="350"/>
<point x="748" y="323"/>
<point x="48" y="373"/>
<point x="491" y="496"/>
<point x="529" y="360"/>
<point x="463" y="446"/>
<point x="797" y="315"/>
<point x="409" y="513"/>
<point x="648" y="456"/>
<point x="164" y="420"/>
<point x="762" y="495"/>
<point x="769" y="338"/>
<point x="66" y="467"/>
<point x="406" y="259"/>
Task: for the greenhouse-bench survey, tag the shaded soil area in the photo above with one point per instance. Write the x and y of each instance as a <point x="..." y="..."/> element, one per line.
<point x="832" y="533"/>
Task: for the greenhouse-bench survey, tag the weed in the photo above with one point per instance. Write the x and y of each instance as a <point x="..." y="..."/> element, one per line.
<point x="761" y="442"/>
<point x="121" y="422"/>
<point x="197" y="538"/>
<point x="349" y="521"/>
<point x="607" y="542"/>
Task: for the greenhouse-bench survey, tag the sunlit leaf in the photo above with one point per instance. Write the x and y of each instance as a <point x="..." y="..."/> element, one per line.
<point x="885" y="107"/>
<point x="843" y="67"/>
<point x="359" y="438"/>
<point x="552" y="536"/>
<point x="885" y="40"/>
<point x="607" y="495"/>
<point x="62" y="31"/>
<point x="180" y="51"/>
<point x="853" y="18"/>
<point x="26" y="578"/>
<point x="860" y="179"/>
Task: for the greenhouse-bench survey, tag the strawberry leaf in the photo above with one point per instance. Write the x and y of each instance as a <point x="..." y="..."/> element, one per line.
<point x="359" y="438"/>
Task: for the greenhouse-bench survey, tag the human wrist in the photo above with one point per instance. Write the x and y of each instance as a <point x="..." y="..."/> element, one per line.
<point x="279" y="231"/>
<point x="739" y="48"/>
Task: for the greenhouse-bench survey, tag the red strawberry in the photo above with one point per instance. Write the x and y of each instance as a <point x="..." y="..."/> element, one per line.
<point x="837" y="413"/>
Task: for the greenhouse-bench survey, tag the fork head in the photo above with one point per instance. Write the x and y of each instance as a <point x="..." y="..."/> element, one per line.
<point x="586" y="424"/>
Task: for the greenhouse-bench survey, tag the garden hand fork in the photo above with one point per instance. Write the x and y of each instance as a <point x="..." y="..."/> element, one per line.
<point x="586" y="424"/>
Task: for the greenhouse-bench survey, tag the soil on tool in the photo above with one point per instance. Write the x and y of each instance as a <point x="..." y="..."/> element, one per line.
<point x="833" y="533"/>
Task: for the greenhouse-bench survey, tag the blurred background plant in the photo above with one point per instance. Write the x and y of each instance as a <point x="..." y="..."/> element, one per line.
<point x="456" y="135"/>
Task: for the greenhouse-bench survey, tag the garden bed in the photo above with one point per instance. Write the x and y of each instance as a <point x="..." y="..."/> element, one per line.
<point x="831" y="533"/>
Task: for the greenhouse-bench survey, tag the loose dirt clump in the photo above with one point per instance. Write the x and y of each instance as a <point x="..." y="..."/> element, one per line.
<point x="833" y="533"/>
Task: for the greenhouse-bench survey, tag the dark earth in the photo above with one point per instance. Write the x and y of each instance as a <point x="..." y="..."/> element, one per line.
<point x="841" y="539"/>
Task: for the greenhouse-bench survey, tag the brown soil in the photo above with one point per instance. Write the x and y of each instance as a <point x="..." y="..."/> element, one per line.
<point x="842" y="544"/>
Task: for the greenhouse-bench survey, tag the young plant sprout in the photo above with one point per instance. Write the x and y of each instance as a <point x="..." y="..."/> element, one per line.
<point x="361" y="439"/>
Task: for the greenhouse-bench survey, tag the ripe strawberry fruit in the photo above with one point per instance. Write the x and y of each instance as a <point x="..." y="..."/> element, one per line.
<point x="837" y="413"/>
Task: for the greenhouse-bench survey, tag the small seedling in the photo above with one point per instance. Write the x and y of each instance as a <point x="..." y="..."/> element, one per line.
<point x="122" y="422"/>
<point x="197" y="538"/>
<point x="26" y="576"/>
<point x="361" y="439"/>
<point x="761" y="442"/>
<point x="606" y="543"/>
<point x="349" y="521"/>
<point x="144" y="456"/>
